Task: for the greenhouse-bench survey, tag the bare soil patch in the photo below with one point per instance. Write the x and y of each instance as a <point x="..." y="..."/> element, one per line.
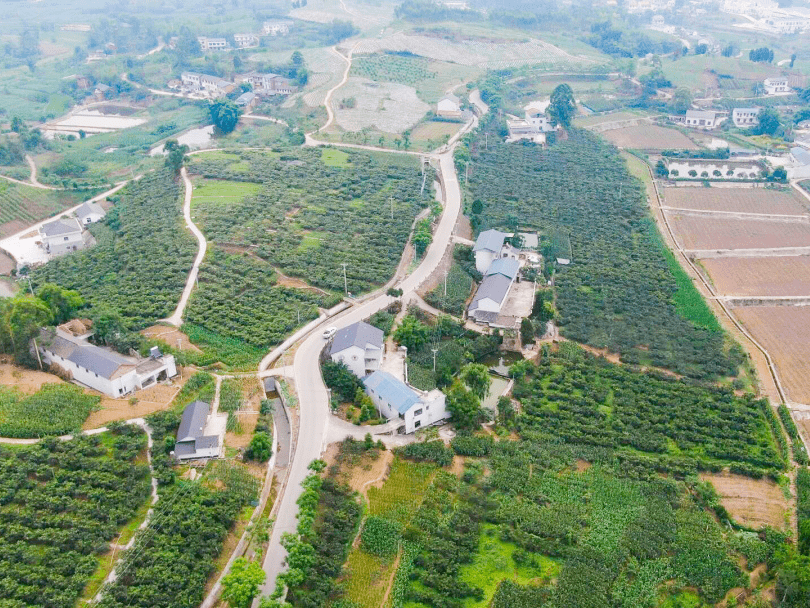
<point x="649" y="137"/>
<point x="170" y="335"/>
<point x="25" y="380"/>
<point x="7" y="264"/>
<point x="241" y="440"/>
<point x="740" y="200"/>
<point x="784" y="331"/>
<point x="729" y="233"/>
<point x="773" y="276"/>
<point x="751" y="502"/>
<point x="371" y="473"/>
<point x="149" y="401"/>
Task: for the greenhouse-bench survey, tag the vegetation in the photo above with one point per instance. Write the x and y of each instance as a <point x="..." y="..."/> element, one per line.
<point x="140" y="263"/>
<point x="172" y="559"/>
<point x="619" y="292"/>
<point x="297" y="222"/>
<point x="241" y="584"/>
<point x="56" y="409"/>
<point x="340" y="380"/>
<point x="562" y="106"/>
<point x="24" y="205"/>
<point x="459" y="286"/>
<point x="261" y="444"/>
<point x="63" y="503"/>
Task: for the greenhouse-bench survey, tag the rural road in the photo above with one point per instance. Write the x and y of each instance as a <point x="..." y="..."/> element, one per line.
<point x="327" y="101"/>
<point x="177" y="317"/>
<point x="314" y="412"/>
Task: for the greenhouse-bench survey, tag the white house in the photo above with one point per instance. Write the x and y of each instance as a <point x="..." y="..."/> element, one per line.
<point x="212" y="44"/>
<point x="488" y="302"/>
<point x="745" y="117"/>
<point x="789" y="25"/>
<point x="200" y="435"/>
<point x="533" y="125"/>
<point x="396" y="400"/>
<point x="276" y="28"/>
<point x="698" y="119"/>
<point x="801" y="161"/>
<point x="212" y="85"/>
<point x="243" y="41"/>
<point x="360" y="347"/>
<point x="658" y="21"/>
<point x="61" y="236"/>
<point x="100" y="368"/>
<point x="90" y="213"/>
<point x="268" y="84"/>
<point x="449" y="106"/>
<point x="490" y="246"/>
<point x="776" y="86"/>
<point x="246" y="100"/>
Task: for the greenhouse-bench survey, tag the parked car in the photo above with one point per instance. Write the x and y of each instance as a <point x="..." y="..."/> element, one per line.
<point x="329" y="332"/>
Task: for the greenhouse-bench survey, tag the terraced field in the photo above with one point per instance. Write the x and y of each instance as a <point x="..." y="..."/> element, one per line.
<point x="740" y="200"/>
<point x="22" y="206"/>
<point x="650" y="137"/>
<point x="771" y="276"/>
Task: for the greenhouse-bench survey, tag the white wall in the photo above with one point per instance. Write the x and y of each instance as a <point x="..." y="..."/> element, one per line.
<point x="484" y="259"/>
<point x="432" y="408"/>
<point x="62" y="244"/>
<point x="354" y="358"/>
<point x="115" y="387"/>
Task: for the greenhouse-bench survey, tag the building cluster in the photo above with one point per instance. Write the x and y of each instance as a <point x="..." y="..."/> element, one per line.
<point x="499" y="262"/>
<point x="361" y="347"/>
<point x="263" y="85"/>
<point x="534" y="125"/>
<point x="68" y="234"/>
<point x="101" y="369"/>
<point x="768" y="17"/>
<point x="245" y="40"/>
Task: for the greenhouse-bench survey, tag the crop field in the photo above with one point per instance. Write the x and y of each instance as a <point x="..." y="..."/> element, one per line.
<point x="650" y="137"/>
<point x="222" y="191"/>
<point x="784" y="331"/>
<point x="21" y="206"/>
<point x="56" y="409"/>
<point x="434" y="131"/>
<point x="768" y="276"/>
<point x="751" y="502"/>
<point x="591" y="121"/>
<point x="459" y="286"/>
<point x="388" y="107"/>
<point x="710" y="233"/>
<point x="740" y="200"/>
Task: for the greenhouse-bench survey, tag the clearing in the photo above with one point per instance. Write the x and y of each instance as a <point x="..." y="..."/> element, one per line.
<point x="25" y="380"/>
<point x="222" y="190"/>
<point x="785" y="332"/>
<point x="171" y="336"/>
<point x="711" y="233"/>
<point x="740" y="200"/>
<point x="649" y="137"/>
<point x="434" y="131"/>
<point x="150" y="400"/>
<point x="750" y="502"/>
<point x="772" y="276"/>
<point x="388" y="107"/>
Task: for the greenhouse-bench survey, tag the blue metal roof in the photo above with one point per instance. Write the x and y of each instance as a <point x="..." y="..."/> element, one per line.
<point x="508" y="267"/>
<point x="394" y="392"/>
<point x="490" y="240"/>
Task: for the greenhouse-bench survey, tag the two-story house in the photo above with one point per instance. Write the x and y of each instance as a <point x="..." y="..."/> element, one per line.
<point x="396" y="400"/>
<point x="61" y="236"/>
<point x="360" y="347"/>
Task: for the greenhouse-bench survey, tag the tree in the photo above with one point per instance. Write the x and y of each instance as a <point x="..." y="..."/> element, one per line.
<point x="793" y="579"/>
<point x="728" y="51"/>
<point x="779" y="174"/>
<point x="762" y="54"/>
<point x="681" y="101"/>
<point x="63" y="302"/>
<point x="661" y="169"/>
<point x="241" y="584"/>
<point x="224" y="115"/>
<point x="297" y="59"/>
<point x="175" y="155"/>
<point x="769" y="122"/>
<point x="21" y="318"/>
<point x="701" y="49"/>
<point x="562" y="106"/>
<point x="110" y="329"/>
<point x="792" y="59"/>
<point x="476" y="377"/>
<point x="338" y="378"/>
<point x="260" y="447"/>
<point x="411" y="333"/>
<point x="464" y="406"/>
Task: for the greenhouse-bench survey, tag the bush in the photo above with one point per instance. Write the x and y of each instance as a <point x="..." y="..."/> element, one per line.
<point x="431" y="451"/>
<point x="338" y="378"/>
<point x="380" y="536"/>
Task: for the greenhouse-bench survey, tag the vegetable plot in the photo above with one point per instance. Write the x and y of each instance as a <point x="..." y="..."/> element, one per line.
<point x="56" y="409"/>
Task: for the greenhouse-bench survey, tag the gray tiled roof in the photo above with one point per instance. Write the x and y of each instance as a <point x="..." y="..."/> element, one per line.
<point x="508" y="267"/>
<point x="192" y="424"/>
<point x="60" y="227"/>
<point x="705" y="115"/>
<point x="801" y="155"/>
<point x="495" y="287"/>
<point x="184" y="449"/>
<point x="53" y="342"/>
<point x="490" y="240"/>
<point x="394" y="392"/>
<point x="97" y="360"/>
<point x="358" y="334"/>
<point x="204" y="443"/>
<point x="88" y="209"/>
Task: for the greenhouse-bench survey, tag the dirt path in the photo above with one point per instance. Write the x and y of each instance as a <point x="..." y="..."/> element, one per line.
<point x="327" y="102"/>
<point x="177" y="317"/>
<point x="384" y="601"/>
<point x="33" y="177"/>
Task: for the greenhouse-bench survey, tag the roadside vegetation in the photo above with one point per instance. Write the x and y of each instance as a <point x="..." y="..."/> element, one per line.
<point x="21" y="206"/>
<point x="64" y="501"/>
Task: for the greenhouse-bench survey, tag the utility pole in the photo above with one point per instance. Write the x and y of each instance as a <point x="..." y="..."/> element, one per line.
<point x="299" y="316"/>
<point x="391" y="199"/>
<point x="345" y="281"/>
<point x="620" y="189"/>
<point x="435" y="350"/>
<point x="445" y="283"/>
<point x="486" y="141"/>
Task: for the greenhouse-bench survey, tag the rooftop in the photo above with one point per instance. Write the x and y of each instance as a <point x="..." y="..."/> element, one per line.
<point x="704" y="114"/>
<point x="451" y="97"/>
<point x="61" y="227"/>
<point x="395" y="392"/>
<point x="495" y="287"/>
<point x="89" y="208"/>
<point x="357" y="334"/>
<point x="801" y="155"/>
<point x="192" y="424"/>
<point x="490" y="240"/>
<point x="507" y="267"/>
<point x="101" y="361"/>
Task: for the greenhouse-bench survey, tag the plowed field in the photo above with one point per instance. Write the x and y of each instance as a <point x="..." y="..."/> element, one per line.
<point x="772" y="276"/>
<point x="741" y="200"/>
<point x="650" y="137"/>
<point x="730" y="233"/>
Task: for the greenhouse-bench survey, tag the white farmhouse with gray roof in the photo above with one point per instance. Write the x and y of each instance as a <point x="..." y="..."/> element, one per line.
<point x="491" y="246"/>
<point x="493" y="291"/>
<point x="61" y="236"/>
<point x="100" y="368"/>
<point x="360" y="347"/>
<point x="396" y="400"/>
<point x="196" y="437"/>
<point x="90" y="213"/>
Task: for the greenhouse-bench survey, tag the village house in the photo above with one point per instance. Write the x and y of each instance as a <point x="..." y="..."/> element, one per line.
<point x="745" y="117"/>
<point x="101" y="92"/>
<point x="212" y="44"/>
<point x="214" y="86"/>
<point x="100" y="368"/>
<point x="698" y="119"/>
<point x="490" y="246"/>
<point x="244" y="41"/>
<point x="61" y="236"/>
<point x="396" y="400"/>
<point x="268" y="84"/>
<point x="246" y="100"/>
<point x="200" y="435"/>
<point x="776" y="86"/>
<point x="534" y="125"/>
<point x="276" y="28"/>
<point x="491" y="295"/>
<point x="360" y="347"/>
<point x="449" y="106"/>
<point x="90" y="213"/>
<point x="801" y="160"/>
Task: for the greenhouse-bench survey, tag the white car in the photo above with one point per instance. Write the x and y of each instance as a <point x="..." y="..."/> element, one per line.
<point x="329" y="332"/>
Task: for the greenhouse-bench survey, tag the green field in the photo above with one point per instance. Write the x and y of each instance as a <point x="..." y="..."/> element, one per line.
<point x="56" y="409"/>
<point x="21" y="206"/>
<point x="218" y="191"/>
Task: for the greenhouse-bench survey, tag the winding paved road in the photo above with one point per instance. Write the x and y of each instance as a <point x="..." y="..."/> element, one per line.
<point x="177" y="317"/>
